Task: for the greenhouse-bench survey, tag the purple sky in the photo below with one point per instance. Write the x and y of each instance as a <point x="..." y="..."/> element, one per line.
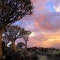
<point x="44" y="24"/>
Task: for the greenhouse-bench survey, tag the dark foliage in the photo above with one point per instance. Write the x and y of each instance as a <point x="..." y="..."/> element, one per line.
<point x="11" y="33"/>
<point x="14" y="32"/>
<point x="13" y="56"/>
<point x="57" y="55"/>
<point x="5" y="49"/>
<point x="3" y="45"/>
<point x="13" y="11"/>
<point x="20" y="45"/>
<point x="18" y="56"/>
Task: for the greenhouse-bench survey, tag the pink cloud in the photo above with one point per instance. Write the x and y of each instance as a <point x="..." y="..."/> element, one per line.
<point x="47" y="21"/>
<point x="39" y="1"/>
<point x="35" y="1"/>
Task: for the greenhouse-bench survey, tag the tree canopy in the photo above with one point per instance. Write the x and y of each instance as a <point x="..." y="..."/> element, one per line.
<point x="11" y="33"/>
<point x="14" y="11"/>
<point x="14" y="32"/>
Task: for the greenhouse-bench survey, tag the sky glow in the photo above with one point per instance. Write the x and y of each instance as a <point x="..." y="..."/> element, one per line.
<point x="44" y="24"/>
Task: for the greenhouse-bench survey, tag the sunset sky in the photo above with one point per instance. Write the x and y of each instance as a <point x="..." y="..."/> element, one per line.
<point x="44" y="24"/>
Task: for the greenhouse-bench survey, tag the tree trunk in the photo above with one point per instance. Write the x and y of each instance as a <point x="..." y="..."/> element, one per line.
<point x="26" y="46"/>
<point x="13" y="45"/>
<point x="1" y="46"/>
<point x="1" y="32"/>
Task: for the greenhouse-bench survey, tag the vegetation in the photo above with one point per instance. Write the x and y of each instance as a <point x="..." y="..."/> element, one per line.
<point x="11" y="34"/>
<point x="14" y="32"/>
<point x="17" y="9"/>
<point x="33" y="53"/>
<point x="12" y="11"/>
<point x="20" y="45"/>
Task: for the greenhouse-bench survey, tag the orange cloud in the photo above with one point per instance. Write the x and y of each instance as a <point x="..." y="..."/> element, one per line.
<point x="48" y="40"/>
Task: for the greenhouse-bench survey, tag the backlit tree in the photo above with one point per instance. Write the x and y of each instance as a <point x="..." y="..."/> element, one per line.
<point x="11" y="34"/>
<point x="12" y="11"/>
<point x="14" y="32"/>
<point x="25" y="34"/>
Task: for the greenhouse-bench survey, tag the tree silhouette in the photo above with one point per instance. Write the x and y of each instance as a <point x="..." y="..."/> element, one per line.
<point x="14" y="32"/>
<point x="25" y="35"/>
<point x="11" y="34"/>
<point x="17" y="9"/>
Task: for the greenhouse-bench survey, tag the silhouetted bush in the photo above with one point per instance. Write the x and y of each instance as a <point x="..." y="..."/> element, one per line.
<point x="13" y="56"/>
<point x="49" y="56"/>
<point x="57" y="55"/>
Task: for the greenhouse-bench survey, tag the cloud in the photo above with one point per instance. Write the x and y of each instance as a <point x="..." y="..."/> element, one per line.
<point x="48" y="21"/>
<point x="39" y="1"/>
<point x="56" y="5"/>
<point x="56" y="2"/>
<point x="45" y="40"/>
<point x="57" y="8"/>
<point x="44" y="25"/>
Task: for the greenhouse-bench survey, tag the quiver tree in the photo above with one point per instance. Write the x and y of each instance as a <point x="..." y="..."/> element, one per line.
<point x="14" y="32"/>
<point x="17" y="9"/>
<point x="25" y="34"/>
<point x="11" y="34"/>
<point x="12" y="11"/>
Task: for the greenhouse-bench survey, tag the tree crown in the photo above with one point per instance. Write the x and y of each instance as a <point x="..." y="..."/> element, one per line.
<point x="14" y="10"/>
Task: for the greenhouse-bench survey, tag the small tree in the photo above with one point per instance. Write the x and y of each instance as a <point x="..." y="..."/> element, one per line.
<point x="20" y="45"/>
<point x="25" y="35"/>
